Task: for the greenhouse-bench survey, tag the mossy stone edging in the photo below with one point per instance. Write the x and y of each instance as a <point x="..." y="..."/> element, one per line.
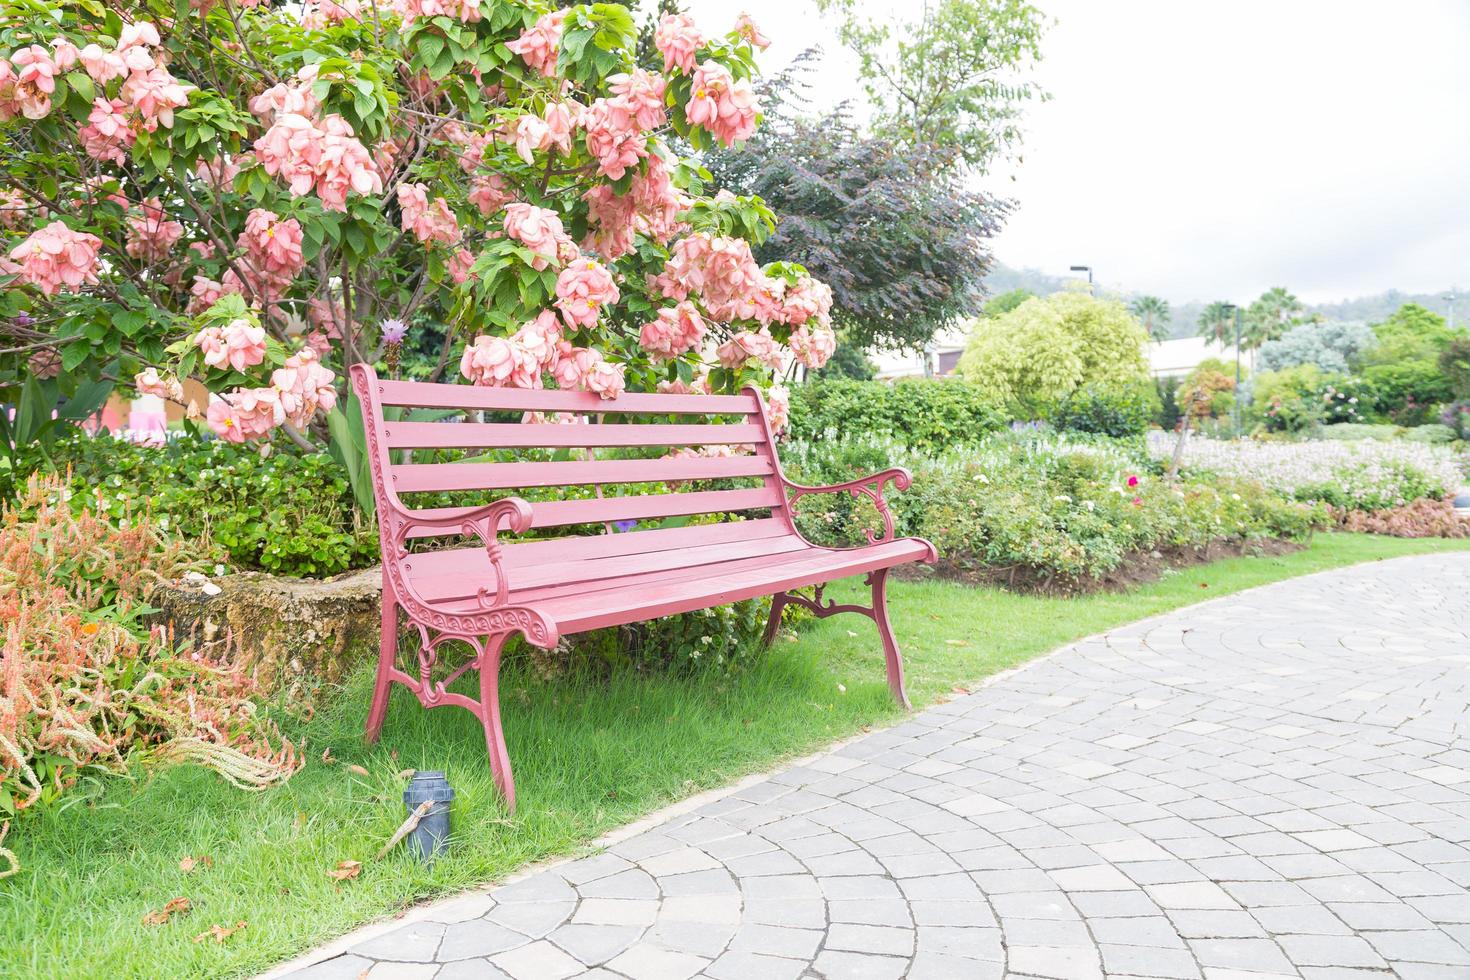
<point x="293" y="634"/>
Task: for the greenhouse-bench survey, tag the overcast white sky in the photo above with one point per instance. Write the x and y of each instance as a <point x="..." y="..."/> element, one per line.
<point x="1209" y="151"/>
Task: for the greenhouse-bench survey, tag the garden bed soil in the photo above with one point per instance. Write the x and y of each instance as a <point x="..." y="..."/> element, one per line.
<point x="1138" y="568"/>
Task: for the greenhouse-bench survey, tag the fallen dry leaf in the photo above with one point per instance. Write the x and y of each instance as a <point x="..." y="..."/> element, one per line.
<point x="189" y="863"/>
<point x="345" y="870"/>
<point x="406" y="773"/>
<point x="960" y="689"/>
<point x="327" y="755"/>
<point x="359" y="770"/>
<point x="958" y="643"/>
<point x="174" y="906"/>
<point x="220" y="933"/>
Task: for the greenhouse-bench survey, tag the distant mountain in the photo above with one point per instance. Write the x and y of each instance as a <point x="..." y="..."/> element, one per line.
<point x="1184" y="317"/>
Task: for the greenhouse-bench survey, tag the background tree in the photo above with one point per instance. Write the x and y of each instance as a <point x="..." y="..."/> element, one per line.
<point x="1153" y="313"/>
<point x="953" y="78"/>
<point x="1411" y="333"/>
<point x="1271" y="315"/>
<point x="1333" y="347"/>
<point x="1044" y="349"/>
<point x="899" y="236"/>
<point x="1005" y="302"/>
<point x="1217" y="322"/>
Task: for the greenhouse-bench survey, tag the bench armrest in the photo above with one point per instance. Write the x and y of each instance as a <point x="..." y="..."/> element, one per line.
<point x="482" y="522"/>
<point x="866" y="486"/>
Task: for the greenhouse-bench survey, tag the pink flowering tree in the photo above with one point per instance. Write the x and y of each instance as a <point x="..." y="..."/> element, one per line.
<point x="258" y="195"/>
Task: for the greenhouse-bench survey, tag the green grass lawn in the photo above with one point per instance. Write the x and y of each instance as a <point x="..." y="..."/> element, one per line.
<point x="589" y="757"/>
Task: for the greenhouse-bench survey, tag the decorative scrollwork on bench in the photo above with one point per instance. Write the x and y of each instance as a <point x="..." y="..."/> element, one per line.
<point x="870" y="487"/>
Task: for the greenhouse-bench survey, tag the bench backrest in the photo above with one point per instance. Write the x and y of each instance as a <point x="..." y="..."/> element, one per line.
<point x="674" y="421"/>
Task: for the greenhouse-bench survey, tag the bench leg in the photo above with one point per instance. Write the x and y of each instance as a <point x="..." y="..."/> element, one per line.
<point x="387" y="658"/>
<point x="879" y="580"/>
<point x="773" y="624"/>
<point x="490" y="718"/>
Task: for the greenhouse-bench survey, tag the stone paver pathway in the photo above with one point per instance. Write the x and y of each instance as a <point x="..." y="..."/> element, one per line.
<point x="1272" y="784"/>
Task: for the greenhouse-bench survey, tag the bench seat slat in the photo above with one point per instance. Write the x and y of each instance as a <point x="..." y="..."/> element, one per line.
<point x="519" y="554"/>
<point x="649" y="506"/>
<point x="417" y="477"/>
<point x="515" y="435"/>
<point x="613" y="602"/>
<point x="461" y="578"/>
<point x="422" y="394"/>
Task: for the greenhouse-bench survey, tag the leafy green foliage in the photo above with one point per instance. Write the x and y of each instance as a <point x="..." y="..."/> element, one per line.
<point x="1120" y="411"/>
<point x="1154" y="314"/>
<point x="1044" y="349"/>
<point x="290" y="513"/>
<point x="952" y="78"/>
<point x="900" y="238"/>
<point x="1454" y="363"/>
<point x="1407" y="393"/>
<point x="1332" y="347"/>
<point x="1051" y="509"/>
<point x="927" y="415"/>
<point x="1412" y="333"/>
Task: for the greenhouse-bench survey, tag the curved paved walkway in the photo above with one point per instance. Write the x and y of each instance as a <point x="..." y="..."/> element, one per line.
<point x="1272" y="784"/>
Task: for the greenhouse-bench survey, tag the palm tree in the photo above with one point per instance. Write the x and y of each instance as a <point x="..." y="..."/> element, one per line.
<point x="1215" y="322"/>
<point x="1154" y="313"/>
<point x="1276" y="312"/>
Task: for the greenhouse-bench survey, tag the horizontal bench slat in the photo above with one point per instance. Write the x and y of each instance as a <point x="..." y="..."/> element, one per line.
<point x="471" y="569"/>
<point x="520" y="553"/>
<point x="421" y="394"/>
<point x="562" y="513"/>
<point x="422" y="477"/>
<point x="512" y="435"/>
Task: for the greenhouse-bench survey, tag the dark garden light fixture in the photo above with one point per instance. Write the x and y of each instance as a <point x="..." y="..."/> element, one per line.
<point x="1087" y="269"/>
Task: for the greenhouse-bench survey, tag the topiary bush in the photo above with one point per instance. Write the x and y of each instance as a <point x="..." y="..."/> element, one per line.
<point x="928" y="415"/>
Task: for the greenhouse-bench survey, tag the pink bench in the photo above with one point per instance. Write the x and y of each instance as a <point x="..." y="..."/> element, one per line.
<point x="552" y="587"/>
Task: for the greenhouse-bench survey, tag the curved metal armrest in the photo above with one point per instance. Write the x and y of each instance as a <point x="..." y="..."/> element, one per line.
<point x="866" y="486"/>
<point x="483" y="523"/>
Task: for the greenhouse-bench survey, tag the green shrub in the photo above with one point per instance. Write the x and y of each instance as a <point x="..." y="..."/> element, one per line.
<point x="927" y="415"/>
<point x="1408" y="392"/>
<point x="1119" y="411"/>
<point x="1050" y="506"/>
<point x="1432" y="433"/>
<point x="290" y="513"/>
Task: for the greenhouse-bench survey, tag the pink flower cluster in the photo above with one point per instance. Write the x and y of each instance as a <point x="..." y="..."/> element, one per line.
<point x="14" y="208"/>
<point x="813" y="345"/>
<point x="720" y="104"/>
<point x="538" y="44"/>
<point x="537" y="348"/>
<point x="327" y="158"/>
<point x="541" y="231"/>
<point x="553" y="128"/>
<point x="467" y="11"/>
<point x="721" y="270"/>
<point x="677" y="39"/>
<point x="108" y="134"/>
<point x="151" y="236"/>
<point x="490" y="193"/>
<point x="582" y="289"/>
<point x="28" y="80"/>
<point x="748" y="345"/>
<point x="236" y="346"/>
<point x="746" y="28"/>
<point x="55" y="258"/>
<point x="651" y="206"/>
<point x="298" y="390"/>
<point x="778" y="408"/>
<point x="150" y="382"/>
<point x="677" y="330"/>
<point x="428" y="222"/>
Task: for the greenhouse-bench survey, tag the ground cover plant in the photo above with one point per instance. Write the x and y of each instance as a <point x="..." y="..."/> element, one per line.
<point x="592" y="754"/>
<point x="1363" y="475"/>
<point x="86" y="688"/>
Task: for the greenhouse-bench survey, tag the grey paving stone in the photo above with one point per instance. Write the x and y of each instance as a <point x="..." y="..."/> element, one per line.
<point x="1273" y="784"/>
